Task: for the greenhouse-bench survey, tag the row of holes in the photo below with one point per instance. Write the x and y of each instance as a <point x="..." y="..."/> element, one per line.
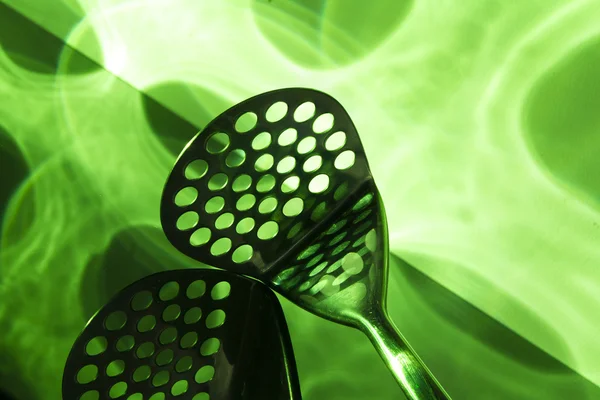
<point x="291" y="208"/>
<point x="95" y="395"/>
<point x="99" y="344"/>
<point x="351" y="263"/>
<point x="219" y="142"/>
<point x="244" y="253"/>
<point x="268" y="205"/>
<point x="171" y="290"/>
<point x="141" y="301"/>
<point x="117" y="320"/>
<point x="277" y="111"/>
<point x="179" y="388"/>
<point x="197" y="169"/>
<point x="265" y="184"/>
<point x="115" y="368"/>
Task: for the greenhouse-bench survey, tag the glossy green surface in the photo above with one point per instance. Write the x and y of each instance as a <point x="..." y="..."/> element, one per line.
<point x="479" y="114"/>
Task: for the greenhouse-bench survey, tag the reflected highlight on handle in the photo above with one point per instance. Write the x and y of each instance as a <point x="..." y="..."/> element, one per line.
<point x="410" y="372"/>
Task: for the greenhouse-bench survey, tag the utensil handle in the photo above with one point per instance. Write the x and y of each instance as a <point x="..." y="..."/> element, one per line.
<point x="410" y="372"/>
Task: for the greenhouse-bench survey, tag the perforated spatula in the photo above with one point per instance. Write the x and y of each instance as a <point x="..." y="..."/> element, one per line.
<point x="186" y="334"/>
<point x="278" y="187"/>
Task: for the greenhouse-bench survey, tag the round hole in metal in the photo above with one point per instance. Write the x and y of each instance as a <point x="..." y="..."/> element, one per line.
<point x="217" y="143"/>
<point x="96" y="346"/>
<point x="220" y="291"/>
<point x="307" y="145"/>
<point x="264" y="163"/>
<point x="323" y="123"/>
<point x="196" y="169"/>
<point x="145" y="350"/>
<point x="344" y="160"/>
<point x="196" y="289"/>
<point x="246" y="122"/>
<point x="146" y="323"/>
<point x="242" y="183"/>
<point x="168" y="336"/>
<point x="188" y="340"/>
<point x="214" y="205"/>
<point x="313" y="163"/>
<point x="184" y="364"/>
<point x="210" y="346"/>
<point x="268" y="230"/>
<point x="168" y="291"/>
<point x="117" y="390"/>
<point x="200" y="237"/>
<point x="161" y="378"/>
<point x="92" y="395"/>
<point x="304" y="112"/>
<point x="87" y="374"/>
<point x="246" y="202"/>
<point x="221" y="247"/>
<point x="171" y="313"/>
<point x="164" y="357"/>
<point x="115" y="368"/>
<point x="205" y="374"/>
<point x="142" y="373"/>
<point x="319" y="183"/>
<point x="293" y="207"/>
<point x="217" y="181"/>
<point x="290" y="184"/>
<point x="265" y="183"/>
<point x="235" y="158"/>
<point x="288" y="137"/>
<point x="125" y="343"/>
<point x="186" y="196"/>
<point x="245" y="225"/>
<point x="286" y="165"/>
<point x="224" y="221"/>
<point x="192" y="315"/>
<point x="268" y="205"/>
<point x="276" y="111"/>
<point x="141" y="301"/>
<point x="336" y="141"/>
<point x="180" y="387"/>
<point x="115" y="321"/>
<point x="242" y="254"/>
<point x="261" y="141"/>
<point x="187" y="220"/>
<point x="215" y="319"/>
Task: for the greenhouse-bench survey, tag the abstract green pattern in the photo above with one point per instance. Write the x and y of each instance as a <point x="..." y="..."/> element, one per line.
<point x="479" y="119"/>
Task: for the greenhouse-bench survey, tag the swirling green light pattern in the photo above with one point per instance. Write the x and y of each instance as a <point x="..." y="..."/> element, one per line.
<point x="480" y="119"/>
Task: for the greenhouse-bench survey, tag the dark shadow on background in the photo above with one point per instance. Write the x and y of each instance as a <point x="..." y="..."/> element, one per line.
<point x="14" y="171"/>
<point x="132" y="254"/>
<point x="480" y="326"/>
<point x="128" y="258"/>
<point x="34" y="49"/>
<point x="484" y="329"/>
<point x="5" y="396"/>
<point x="174" y="132"/>
<point x="37" y="50"/>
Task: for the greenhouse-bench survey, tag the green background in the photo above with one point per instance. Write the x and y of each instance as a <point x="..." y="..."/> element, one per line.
<point x="481" y="119"/>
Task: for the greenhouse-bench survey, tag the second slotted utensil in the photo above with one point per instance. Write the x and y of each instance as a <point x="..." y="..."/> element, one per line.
<point x="186" y="334"/>
<point x="278" y="187"/>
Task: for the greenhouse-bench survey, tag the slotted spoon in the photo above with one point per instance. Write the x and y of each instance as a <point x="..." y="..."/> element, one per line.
<point x="278" y="188"/>
<point x="186" y="334"/>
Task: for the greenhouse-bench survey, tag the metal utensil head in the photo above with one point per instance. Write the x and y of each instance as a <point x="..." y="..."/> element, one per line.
<point x="188" y="334"/>
<point x="278" y="187"/>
